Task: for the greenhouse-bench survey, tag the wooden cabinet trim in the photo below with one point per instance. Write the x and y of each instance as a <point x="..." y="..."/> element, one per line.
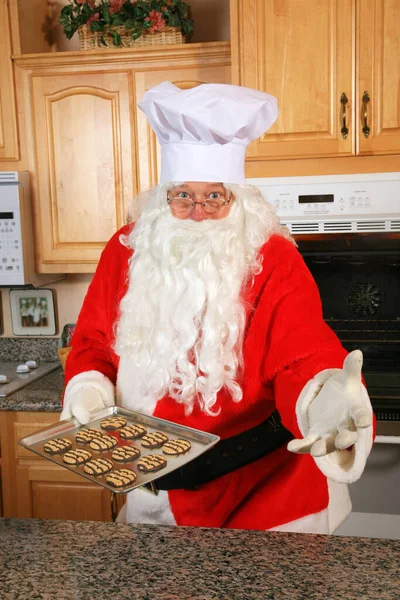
<point x="144" y="57"/>
<point x="9" y="138"/>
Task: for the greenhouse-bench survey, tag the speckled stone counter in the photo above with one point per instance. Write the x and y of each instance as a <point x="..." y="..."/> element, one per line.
<point x="42" y="395"/>
<point x="52" y="560"/>
<point x="14" y="349"/>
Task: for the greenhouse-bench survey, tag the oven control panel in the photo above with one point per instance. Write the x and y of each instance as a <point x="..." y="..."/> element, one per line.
<point x="11" y="259"/>
<point x="335" y="196"/>
<point x="16" y="229"/>
<point x="335" y="203"/>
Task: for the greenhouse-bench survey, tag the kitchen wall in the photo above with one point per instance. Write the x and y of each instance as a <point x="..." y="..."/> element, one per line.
<point x="39" y="31"/>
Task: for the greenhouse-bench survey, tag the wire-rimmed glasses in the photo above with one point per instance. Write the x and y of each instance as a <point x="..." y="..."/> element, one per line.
<point x="181" y="204"/>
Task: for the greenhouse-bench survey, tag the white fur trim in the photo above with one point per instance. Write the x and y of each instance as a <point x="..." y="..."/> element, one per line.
<point x="144" y="507"/>
<point x="343" y="466"/>
<point x="326" y="521"/>
<point x="339" y="506"/>
<point x="91" y="379"/>
<point x="315" y="523"/>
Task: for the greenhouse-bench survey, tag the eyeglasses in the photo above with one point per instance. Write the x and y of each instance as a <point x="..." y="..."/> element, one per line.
<point x="183" y="203"/>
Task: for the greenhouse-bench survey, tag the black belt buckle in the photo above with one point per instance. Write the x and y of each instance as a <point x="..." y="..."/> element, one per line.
<point x="274" y="423"/>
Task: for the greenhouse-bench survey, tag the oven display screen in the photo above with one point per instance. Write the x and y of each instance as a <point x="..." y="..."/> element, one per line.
<point x="318" y="198"/>
<point x="6" y="215"/>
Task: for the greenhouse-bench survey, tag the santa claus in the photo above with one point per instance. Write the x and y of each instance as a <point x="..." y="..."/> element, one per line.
<point x="204" y="313"/>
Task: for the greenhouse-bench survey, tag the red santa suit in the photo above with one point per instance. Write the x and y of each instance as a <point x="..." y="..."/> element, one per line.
<point x="286" y="344"/>
<point x="288" y="350"/>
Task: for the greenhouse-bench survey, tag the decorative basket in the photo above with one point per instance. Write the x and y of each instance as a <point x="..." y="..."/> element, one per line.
<point x="91" y="39"/>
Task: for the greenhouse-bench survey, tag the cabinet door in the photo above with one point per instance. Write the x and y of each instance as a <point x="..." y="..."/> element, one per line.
<point x="378" y="55"/>
<point x="35" y="487"/>
<point x="50" y="492"/>
<point x="8" y="123"/>
<point x="300" y="51"/>
<point x="82" y="128"/>
<point x="148" y="150"/>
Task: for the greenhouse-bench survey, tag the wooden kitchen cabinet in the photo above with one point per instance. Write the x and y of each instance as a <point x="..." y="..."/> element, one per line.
<point x="378" y="68"/>
<point x="313" y="56"/>
<point x="9" y="147"/>
<point x="91" y="149"/>
<point x="83" y="130"/>
<point x="34" y="487"/>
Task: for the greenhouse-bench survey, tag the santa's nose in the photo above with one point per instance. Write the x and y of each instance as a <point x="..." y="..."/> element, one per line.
<point x="197" y="213"/>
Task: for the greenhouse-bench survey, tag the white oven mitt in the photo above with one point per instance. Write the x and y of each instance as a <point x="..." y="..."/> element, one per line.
<point x="81" y="403"/>
<point x="85" y="393"/>
<point x="334" y="414"/>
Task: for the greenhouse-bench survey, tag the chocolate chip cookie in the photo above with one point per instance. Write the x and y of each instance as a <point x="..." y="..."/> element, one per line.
<point x="113" y="423"/>
<point x="151" y="463"/>
<point x="103" y="443"/>
<point x="133" y="432"/>
<point x="77" y="456"/>
<point x="121" y="478"/>
<point x="125" y="453"/>
<point x="176" y="447"/>
<point x="87" y="435"/>
<point x="154" y="440"/>
<point x="57" y="446"/>
<point x="98" y="466"/>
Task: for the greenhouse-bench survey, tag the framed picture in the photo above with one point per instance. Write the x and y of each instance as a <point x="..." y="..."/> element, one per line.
<point x="32" y="312"/>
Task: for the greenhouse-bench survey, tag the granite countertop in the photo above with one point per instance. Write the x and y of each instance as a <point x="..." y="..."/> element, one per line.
<point x="42" y="395"/>
<point x="90" y="560"/>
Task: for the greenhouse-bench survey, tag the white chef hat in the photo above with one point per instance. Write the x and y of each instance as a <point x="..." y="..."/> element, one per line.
<point x="204" y="131"/>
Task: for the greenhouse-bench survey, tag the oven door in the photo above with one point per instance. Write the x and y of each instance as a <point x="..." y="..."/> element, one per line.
<point x="359" y="282"/>
<point x="360" y="293"/>
<point x="376" y="495"/>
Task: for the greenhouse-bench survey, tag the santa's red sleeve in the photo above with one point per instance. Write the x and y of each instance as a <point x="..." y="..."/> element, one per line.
<point x="302" y="351"/>
<point x="92" y="361"/>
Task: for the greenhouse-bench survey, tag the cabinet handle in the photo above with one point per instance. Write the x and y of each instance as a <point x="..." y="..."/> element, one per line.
<point x="365" y="99"/>
<point x="344" y="100"/>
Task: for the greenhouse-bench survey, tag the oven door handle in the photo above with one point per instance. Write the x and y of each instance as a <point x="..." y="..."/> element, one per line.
<point x="387" y="439"/>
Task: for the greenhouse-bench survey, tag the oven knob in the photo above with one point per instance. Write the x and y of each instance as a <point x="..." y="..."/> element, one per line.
<point x="22" y="369"/>
<point x="3" y="379"/>
<point x="32" y="364"/>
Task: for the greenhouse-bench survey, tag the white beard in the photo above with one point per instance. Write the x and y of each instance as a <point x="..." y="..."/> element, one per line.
<point x="182" y="320"/>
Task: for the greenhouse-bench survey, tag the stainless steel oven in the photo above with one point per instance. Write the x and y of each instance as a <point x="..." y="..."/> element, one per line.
<point x="348" y="231"/>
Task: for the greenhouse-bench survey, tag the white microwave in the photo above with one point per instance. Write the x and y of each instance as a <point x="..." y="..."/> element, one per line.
<point x="17" y="255"/>
<point x="361" y="203"/>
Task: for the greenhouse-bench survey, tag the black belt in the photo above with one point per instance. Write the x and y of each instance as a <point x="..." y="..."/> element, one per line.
<point x="228" y="455"/>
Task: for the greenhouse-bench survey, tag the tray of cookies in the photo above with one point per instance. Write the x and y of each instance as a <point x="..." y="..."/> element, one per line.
<point x="120" y="449"/>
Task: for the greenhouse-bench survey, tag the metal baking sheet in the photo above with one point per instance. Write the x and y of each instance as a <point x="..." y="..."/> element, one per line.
<point x="200" y="443"/>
